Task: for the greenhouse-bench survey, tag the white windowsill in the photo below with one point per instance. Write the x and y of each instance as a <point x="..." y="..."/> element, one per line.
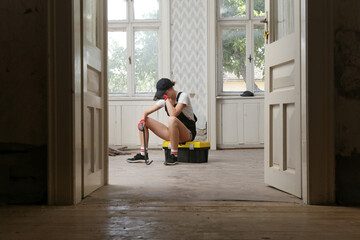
<point x="128" y="98"/>
<point x="260" y="96"/>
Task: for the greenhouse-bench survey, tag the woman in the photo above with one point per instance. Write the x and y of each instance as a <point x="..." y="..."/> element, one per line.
<point x="181" y="124"/>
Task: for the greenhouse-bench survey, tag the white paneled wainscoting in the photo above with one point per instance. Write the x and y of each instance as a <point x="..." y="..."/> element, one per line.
<point x="240" y="122"/>
<point x="124" y="117"/>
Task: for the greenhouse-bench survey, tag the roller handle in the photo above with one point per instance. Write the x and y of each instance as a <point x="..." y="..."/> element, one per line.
<point x="141" y="125"/>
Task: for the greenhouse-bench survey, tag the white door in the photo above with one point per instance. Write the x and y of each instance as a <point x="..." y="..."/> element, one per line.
<point x="282" y="97"/>
<point x="94" y="95"/>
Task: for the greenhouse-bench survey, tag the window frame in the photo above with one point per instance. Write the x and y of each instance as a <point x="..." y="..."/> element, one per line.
<point x="130" y="26"/>
<point x="250" y="21"/>
<point x="133" y="81"/>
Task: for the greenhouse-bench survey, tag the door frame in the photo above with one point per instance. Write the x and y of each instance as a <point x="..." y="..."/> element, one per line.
<point x="318" y="119"/>
<point x="64" y="103"/>
<point x="61" y="167"/>
<point x="317" y="45"/>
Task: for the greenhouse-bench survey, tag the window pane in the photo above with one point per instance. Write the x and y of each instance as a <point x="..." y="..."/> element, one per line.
<point x="91" y="26"/>
<point x="259" y="54"/>
<point x="233" y="8"/>
<point x="234" y="59"/>
<point x="146" y="9"/>
<point x="146" y="61"/>
<point x="259" y="8"/>
<point x="282" y="21"/>
<point x="117" y="9"/>
<point x="117" y="62"/>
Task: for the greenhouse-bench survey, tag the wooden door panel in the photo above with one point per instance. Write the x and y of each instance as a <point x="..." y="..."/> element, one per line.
<point x="98" y="143"/>
<point x="290" y="138"/>
<point x="282" y="76"/>
<point x="275" y="134"/>
<point x="282" y="98"/>
<point x="94" y="56"/>
<point x="94" y="81"/>
<point x="93" y="150"/>
<point x="93" y="95"/>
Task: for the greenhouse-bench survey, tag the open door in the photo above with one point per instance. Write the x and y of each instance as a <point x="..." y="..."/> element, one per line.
<point x="94" y="95"/>
<point x="283" y="96"/>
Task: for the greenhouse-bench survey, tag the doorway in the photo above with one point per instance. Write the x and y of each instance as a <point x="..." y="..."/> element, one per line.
<point x="65" y="138"/>
<point x="245" y="130"/>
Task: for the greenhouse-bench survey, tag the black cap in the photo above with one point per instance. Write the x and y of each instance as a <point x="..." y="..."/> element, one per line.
<point x="161" y="86"/>
<point x="247" y="94"/>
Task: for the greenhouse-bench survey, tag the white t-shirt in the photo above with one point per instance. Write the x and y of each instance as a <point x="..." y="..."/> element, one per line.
<point x="184" y="99"/>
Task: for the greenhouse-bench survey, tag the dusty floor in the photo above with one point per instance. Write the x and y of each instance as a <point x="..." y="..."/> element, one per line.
<point x="228" y="175"/>
<point x="223" y="199"/>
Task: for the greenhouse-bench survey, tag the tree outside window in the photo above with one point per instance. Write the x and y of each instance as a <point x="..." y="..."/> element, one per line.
<point x="133" y="46"/>
<point x="242" y="45"/>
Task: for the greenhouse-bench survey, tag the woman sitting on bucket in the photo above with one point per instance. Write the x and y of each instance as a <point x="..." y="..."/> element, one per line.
<point x="181" y="124"/>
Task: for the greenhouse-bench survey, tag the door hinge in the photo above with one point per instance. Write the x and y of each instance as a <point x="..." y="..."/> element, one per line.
<point x="129" y="60"/>
<point x="266" y="31"/>
<point x="250" y="58"/>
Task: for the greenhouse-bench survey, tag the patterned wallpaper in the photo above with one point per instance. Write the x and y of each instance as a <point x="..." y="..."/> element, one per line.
<point x="188" y="53"/>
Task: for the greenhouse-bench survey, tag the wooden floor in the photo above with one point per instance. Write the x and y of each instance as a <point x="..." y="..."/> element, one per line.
<point x="228" y="175"/>
<point x="180" y="220"/>
<point x="159" y="202"/>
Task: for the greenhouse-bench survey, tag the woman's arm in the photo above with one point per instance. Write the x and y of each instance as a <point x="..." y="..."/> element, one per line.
<point x="174" y="111"/>
<point x="149" y="111"/>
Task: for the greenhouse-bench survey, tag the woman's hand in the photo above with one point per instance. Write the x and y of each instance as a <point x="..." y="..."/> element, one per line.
<point x="148" y="111"/>
<point x="141" y="125"/>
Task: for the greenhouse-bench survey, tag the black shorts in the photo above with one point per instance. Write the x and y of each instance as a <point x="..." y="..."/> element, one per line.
<point x="192" y="134"/>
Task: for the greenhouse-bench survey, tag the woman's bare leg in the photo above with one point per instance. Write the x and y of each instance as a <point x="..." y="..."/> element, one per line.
<point x="178" y="132"/>
<point x="157" y="128"/>
<point x="175" y="133"/>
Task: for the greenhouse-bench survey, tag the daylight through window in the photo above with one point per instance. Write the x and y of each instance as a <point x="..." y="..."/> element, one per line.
<point x="241" y="46"/>
<point x="133" y="46"/>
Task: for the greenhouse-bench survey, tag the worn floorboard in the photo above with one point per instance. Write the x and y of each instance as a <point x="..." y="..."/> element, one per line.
<point x="180" y="220"/>
<point x="224" y="199"/>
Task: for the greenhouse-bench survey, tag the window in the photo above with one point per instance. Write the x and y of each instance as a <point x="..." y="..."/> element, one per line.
<point x="133" y="47"/>
<point x="241" y="46"/>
